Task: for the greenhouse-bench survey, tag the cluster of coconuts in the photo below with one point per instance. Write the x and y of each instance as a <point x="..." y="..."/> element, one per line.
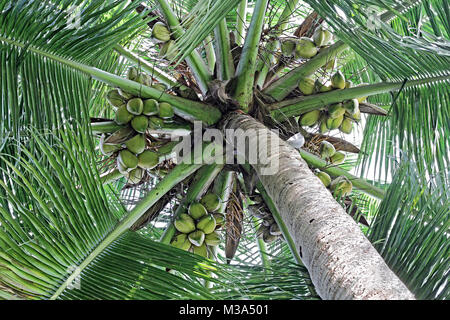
<point x="161" y="35"/>
<point x="335" y="116"/>
<point x="139" y="115"/>
<point x="197" y="229"/>
<point x="269" y="230"/>
<point x="306" y="48"/>
<point x="339" y="186"/>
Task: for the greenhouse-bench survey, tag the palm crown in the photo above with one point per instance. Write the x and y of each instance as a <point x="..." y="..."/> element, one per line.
<point x="91" y="195"/>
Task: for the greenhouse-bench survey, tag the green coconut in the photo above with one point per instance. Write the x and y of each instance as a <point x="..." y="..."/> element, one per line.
<point x="346" y="126"/>
<point x="306" y="86"/>
<point x="125" y="95"/>
<point x="139" y="123"/>
<point x="201" y="250"/>
<point x="144" y="79"/>
<point x="324" y="177"/>
<point x="212" y="239"/>
<point x="122" y="169"/>
<point x="323" y="128"/>
<point x="336" y="110"/>
<point x="334" y="123"/>
<point x="275" y="230"/>
<point x="322" y="87"/>
<point x="169" y="50"/>
<point x="338" y="80"/>
<point x="305" y="48"/>
<point x="351" y="106"/>
<point x="128" y="159"/>
<point x="197" y="237"/>
<point x="155" y="123"/>
<point x="165" y="111"/>
<point x="211" y="202"/>
<point x="348" y="84"/>
<point x="326" y="149"/>
<point x="135" y="106"/>
<point x="159" y="86"/>
<point x="184" y="223"/>
<point x="220" y="219"/>
<point x="288" y="47"/>
<point x="267" y="237"/>
<point x="322" y="36"/>
<point x="309" y="118"/>
<point x="148" y="159"/>
<point x="114" y="98"/>
<point x="337" y="158"/>
<point x="108" y="149"/>
<point x="135" y="175"/>
<point x="197" y="210"/>
<point x="123" y="116"/>
<point x="132" y="73"/>
<point x="341" y="186"/>
<point x="356" y="116"/>
<point x="160" y="32"/>
<point x="150" y="107"/>
<point x="181" y="241"/>
<point x="136" y="144"/>
<point x="207" y="224"/>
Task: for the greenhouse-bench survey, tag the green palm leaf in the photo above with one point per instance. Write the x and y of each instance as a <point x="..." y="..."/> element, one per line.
<point x="410" y="230"/>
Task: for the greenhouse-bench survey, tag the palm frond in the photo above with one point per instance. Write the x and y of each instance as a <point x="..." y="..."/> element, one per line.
<point x="411" y="230"/>
<point x="419" y="130"/>
<point x="200" y="22"/>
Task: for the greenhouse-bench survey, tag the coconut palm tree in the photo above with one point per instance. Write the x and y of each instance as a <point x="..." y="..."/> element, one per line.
<point x="94" y="203"/>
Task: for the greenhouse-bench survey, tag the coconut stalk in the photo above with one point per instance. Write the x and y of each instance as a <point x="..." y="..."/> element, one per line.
<point x="152" y="70"/>
<point x="300" y="105"/>
<point x="210" y="54"/>
<point x="342" y="263"/>
<point x="110" y="176"/>
<point x="223" y="185"/>
<point x="184" y="108"/>
<point x="194" y="60"/>
<point x="268" y="57"/>
<point x="240" y="25"/>
<point x="262" y="247"/>
<point x="198" y="187"/>
<point x="225" y="65"/>
<point x="336" y="171"/>
<point x="108" y="126"/>
<point x="245" y="72"/>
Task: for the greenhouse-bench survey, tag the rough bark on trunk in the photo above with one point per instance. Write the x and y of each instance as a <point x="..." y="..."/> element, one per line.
<point x="342" y="263"/>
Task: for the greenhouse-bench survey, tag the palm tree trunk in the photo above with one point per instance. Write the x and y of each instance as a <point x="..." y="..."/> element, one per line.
<point x="342" y="263"/>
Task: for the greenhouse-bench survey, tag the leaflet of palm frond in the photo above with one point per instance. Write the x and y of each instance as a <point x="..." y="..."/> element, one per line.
<point x="235" y="217"/>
